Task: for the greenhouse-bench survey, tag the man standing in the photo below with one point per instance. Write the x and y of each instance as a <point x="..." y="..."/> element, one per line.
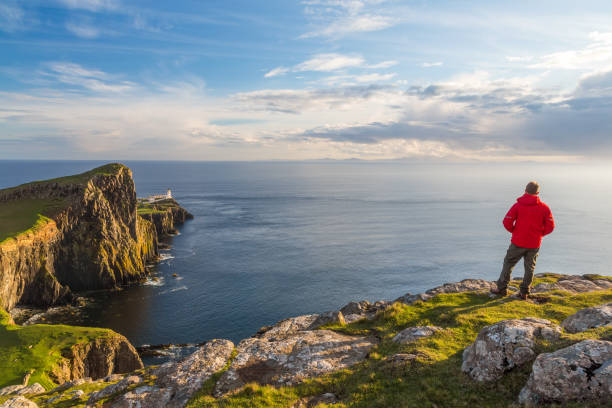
<point x="528" y="220"/>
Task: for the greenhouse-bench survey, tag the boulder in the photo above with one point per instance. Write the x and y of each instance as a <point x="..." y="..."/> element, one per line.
<point x="11" y="389"/>
<point x="177" y="381"/>
<point x="287" y="326"/>
<point x="411" y="334"/>
<point x="35" y="388"/>
<point x="409" y="299"/>
<point x="588" y="318"/>
<point x="114" y="388"/>
<point x="504" y="345"/>
<point x="466" y="285"/>
<point x="574" y="284"/>
<point x="333" y="317"/>
<point x="18" y="402"/>
<point x="355" y="311"/>
<point x="581" y="372"/>
<point x="289" y="359"/>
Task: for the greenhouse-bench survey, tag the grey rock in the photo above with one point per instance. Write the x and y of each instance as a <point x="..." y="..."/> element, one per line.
<point x="580" y="372"/>
<point x="287" y="326"/>
<point x="114" y="388"/>
<point x="292" y="358"/>
<point x="35" y="388"/>
<point x="178" y="381"/>
<point x="18" y="402"/>
<point x="352" y="318"/>
<point x="144" y="397"/>
<point x="588" y="318"/>
<point x="11" y="389"/>
<point x="333" y="317"/>
<point x="409" y="299"/>
<point x="70" y="384"/>
<point x="359" y="308"/>
<point x="574" y="284"/>
<point x="504" y="345"/>
<point x="411" y="334"/>
<point x="466" y="285"/>
<point x="76" y="394"/>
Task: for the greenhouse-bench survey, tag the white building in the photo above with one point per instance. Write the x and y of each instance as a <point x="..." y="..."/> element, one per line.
<point x="153" y="198"/>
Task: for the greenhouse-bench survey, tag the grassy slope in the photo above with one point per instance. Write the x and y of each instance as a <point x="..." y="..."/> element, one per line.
<point x="435" y="379"/>
<point x="160" y="206"/>
<point x="22" y="216"/>
<point x="37" y="347"/>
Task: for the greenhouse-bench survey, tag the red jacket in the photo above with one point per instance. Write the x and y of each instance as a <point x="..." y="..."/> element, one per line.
<point x="529" y="220"/>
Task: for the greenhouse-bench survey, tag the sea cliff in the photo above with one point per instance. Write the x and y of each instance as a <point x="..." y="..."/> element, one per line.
<point x="76" y="233"/>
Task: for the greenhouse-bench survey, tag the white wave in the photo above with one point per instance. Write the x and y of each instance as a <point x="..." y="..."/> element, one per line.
<point x="165" y="257"/>
<point x="173" y="290"/>
<point x="154" y="281"/>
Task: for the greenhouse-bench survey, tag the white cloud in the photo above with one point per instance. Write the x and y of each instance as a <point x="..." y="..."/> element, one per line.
<point x="337" y="18"/>
<point x="431" y="64"/>
<point x="329" y="62"/>
<point x="594" y="56"/>
<point x="321" y="63"/>
<point x="83" y="30"/>
<point x="276" y="72"/>
<point x="382" y="65"/>
<point x="91" y="5"/>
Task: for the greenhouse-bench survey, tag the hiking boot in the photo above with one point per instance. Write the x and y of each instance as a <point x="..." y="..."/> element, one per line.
<point x="523" y="296"/>
<point x="500" y="292"/>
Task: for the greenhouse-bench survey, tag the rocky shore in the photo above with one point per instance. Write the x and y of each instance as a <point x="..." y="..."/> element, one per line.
<point x="498" y="352"/>
<point x="78" y="233"/>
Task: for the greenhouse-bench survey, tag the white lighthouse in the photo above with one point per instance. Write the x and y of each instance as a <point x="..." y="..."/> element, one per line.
<point x="169" y="194"/>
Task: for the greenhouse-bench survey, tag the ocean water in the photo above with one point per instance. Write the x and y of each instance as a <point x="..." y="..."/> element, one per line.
<point x="274" y="240"/>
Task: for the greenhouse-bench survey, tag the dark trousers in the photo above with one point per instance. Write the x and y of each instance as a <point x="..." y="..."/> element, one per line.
<point x="514" y="254"/>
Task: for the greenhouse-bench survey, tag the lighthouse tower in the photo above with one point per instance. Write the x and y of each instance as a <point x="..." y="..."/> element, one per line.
<point x="169" y="194"/>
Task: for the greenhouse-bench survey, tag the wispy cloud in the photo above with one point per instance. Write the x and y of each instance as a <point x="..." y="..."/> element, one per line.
<point x="11" y="18"/>
<point x="431" y="64"/>
<point x="321" y="63"/>
<point x="337" y="18"/>
<point x="83" y="30"/>
<point x="91" y="5"/>
<point x="80" y="77"/>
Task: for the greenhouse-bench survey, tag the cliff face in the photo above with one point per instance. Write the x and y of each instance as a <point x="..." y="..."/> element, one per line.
<point x="99" y="358"/>
<point x="93" y="239"/>
<point x="164" y="215"/>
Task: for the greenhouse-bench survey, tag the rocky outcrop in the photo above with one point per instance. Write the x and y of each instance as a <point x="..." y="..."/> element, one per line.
<point x="412" y="334"/>
<point x="92" y="238"/>
<point x="289" y="359"/>
<point x="114" y="388"/>
<point x="466" y="285"/>
<point x="581" y="372"/>
<point x="97" y="359"/>
<point x="588" y="318"/>
<point x="574" y="284"/>
<point x="176" y="382"/>
<point x="18" y="402"/>
<point x="165" y="216"/>
<point x="504" y="345"/>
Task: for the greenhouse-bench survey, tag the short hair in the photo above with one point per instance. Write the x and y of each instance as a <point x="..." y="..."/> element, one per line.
<point x="532" y="188"/>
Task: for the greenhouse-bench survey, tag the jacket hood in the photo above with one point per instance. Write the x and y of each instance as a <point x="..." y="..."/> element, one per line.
<point x="528" y="199"/>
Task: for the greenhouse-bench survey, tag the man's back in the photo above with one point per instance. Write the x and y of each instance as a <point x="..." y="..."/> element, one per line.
<point x="529" y="220"/>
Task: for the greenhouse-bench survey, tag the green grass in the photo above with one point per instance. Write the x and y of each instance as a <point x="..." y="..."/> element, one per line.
<point x="38" y="348"/>
<point x="434" y="379"/>
<point x="82" y="178"/>
<point x="26" y="215"/>
<point x="160" y="206"/>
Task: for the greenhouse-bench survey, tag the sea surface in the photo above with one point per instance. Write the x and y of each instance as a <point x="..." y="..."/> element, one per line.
<point x="273" y="240"/>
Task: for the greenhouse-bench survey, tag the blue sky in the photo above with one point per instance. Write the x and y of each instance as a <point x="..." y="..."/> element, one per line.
<point x="312" y="79"/>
